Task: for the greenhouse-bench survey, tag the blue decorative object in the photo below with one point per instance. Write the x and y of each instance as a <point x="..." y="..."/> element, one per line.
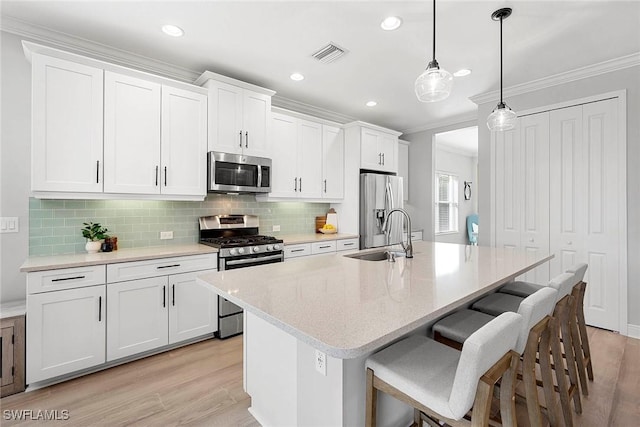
<point x="472" y="228"/>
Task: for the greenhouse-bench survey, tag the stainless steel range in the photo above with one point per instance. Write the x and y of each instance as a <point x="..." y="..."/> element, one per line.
<point x="240" y="245"/>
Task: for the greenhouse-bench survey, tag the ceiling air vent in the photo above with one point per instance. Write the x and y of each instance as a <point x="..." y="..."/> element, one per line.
<point x="329" y="53"/>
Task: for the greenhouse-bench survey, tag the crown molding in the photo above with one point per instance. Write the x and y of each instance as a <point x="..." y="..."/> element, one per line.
<point x="449" y="121"/>
<point x="311" y="110"/>
<point x="611" y="65"/>
<point x="95" y="50"/>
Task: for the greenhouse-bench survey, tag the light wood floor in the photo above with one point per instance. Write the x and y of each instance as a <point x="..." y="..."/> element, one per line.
<point x="201" y="385"/>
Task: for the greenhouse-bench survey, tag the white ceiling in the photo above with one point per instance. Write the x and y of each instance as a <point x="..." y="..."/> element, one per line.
<point x="263" y="42"/>
<point x="463" y="140"/>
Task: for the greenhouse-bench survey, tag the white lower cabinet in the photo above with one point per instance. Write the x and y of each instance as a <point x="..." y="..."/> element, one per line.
<point x="65" y="331"/>
<point x="193" y="308"/>
<point x="137" y="316"/>
<point x="318" y="248"/>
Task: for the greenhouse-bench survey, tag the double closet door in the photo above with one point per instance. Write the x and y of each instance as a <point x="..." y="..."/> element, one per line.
<point x="558" y="190"/>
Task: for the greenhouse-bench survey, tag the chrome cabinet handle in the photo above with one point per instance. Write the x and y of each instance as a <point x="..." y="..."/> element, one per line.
<point x="100" y="309"/>
<point x="156" y="175"/>
<point x="164" y="296"/>
<point x="300" y="184"/>
<point x="173" y="295"/>
<point x="295" y="183"/>
<point x="246" y="139"/>
<point x="168" y="266"/>
<point x="382" y="159"/>
<point x="240" y="139"/>
<point x="165" y="176"/>
<point x="97" y="171"/>
<point x="67" y="278"/>
<point x="325" y="185"/>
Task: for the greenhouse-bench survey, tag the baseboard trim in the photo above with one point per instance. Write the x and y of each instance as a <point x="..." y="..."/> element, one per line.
<point x="633" y="331"/>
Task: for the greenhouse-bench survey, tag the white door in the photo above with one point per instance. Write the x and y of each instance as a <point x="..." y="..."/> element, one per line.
<point x="65" y="332"/>
<point x="332" y="162"/>
<point x="193" y="308"/>
<point x="534" y="188"/>
<point x="131" y="135"/>
<point x="225" y="117"/>
<point x="137" y="316"/>
<point x="309" y="159"/>
<point x="508" y="194"/>
<point x="284" y="143"/>
<point x="184" y="142"/>
<point x="370" y="154"/>
<point x="67" y="115"/>
<point x="256" y="123"/>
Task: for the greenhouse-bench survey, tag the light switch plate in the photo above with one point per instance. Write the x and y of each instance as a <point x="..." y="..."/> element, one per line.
<point x="9" y="224"/>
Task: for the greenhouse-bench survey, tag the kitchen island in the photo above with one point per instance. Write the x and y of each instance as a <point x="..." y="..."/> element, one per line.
<point x="311" y="323"/>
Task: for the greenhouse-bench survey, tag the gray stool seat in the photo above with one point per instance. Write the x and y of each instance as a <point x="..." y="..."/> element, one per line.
<point x="498" y="303"/>
<point x="460" y="325"/>
<point x="520" y="289"/>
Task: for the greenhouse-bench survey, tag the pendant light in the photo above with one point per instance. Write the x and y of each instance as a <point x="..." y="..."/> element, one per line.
<point x="502" y="118"/>
<point x="434" y="84"/>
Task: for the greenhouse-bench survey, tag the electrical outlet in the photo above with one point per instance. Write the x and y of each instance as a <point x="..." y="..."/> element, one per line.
<point x="321" y="362"/>
<point x="276" y="228"/>
<point x="165" y="235"/>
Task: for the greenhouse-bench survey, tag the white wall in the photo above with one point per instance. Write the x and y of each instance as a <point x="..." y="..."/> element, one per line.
<point x="627" y="79"/>
<point x="15" y="163"/>
<point x="464" y="167"/>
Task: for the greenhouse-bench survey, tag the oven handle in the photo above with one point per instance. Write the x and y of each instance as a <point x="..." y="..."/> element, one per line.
<point x="253" y="260"/>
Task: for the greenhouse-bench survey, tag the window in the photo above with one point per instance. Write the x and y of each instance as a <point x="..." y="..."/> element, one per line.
<point x="446" y="203"/>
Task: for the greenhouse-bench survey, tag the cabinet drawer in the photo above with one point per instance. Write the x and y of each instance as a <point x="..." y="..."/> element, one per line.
<point x="65" y="278"/>
<point x="160" y="267"/>
<point x="323" y="247"/>
<point x="348" y="244"/>
<point x="293" y="251"/>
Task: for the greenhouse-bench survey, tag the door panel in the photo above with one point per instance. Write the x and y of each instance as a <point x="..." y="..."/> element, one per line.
<point x="192" y="308"/>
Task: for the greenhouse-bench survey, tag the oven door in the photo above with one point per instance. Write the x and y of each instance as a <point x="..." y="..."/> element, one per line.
<point x="233" y="173"/>
<point x="249" y="260"/>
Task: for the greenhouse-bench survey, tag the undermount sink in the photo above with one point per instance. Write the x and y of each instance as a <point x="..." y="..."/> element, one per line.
<point x="376" y="256"/>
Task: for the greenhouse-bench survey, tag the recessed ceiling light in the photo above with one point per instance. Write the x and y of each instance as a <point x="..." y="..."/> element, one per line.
<point x="172" y="30"/>
<point x="296" y="77"/>
<point x="463" y="72"/>
<point x="391" y="23"/>
<point x="371" y="104"/>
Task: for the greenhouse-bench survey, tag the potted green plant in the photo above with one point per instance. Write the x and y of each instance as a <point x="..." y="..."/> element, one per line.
<point x="95" y="235"/>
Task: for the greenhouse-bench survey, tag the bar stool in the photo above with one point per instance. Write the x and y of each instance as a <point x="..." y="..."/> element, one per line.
<point x="578" y="291"/>
<point x="534" y="337"/>
<point x="444" y="384"/>
<point x="563" y="283"/>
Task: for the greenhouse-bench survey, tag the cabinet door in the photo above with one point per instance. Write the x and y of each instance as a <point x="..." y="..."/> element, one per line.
<point x="256" y="123"/>
<point x="534" y="147"/>
<point x="131" y="135"/>
<point x="137" y="316"/>
<point x="389" y="149"/>
<point x="309" y="159"/>
<point x="284" y="156"/>
<point x="184" y="142"/>
<point x="225" y="117"/>
<point x="67" y="117"/>
<point x="332" y="162"/>
<point x="370" y="154"/>
<point x="65" y="332"/>
<point x="193" y="308"/>
<point x="507" y="192"/>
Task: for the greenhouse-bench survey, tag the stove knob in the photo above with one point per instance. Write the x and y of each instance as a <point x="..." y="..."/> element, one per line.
<point x="269" y="247"/>
<point x="240" y="250"/>
<point x="276" y="247"/>
<point x="256" y="249"/>
<point x="233" y="251"/>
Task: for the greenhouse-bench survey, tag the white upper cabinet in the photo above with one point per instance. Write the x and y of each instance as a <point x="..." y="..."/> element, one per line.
<point x="131" y="135"/>
<point x="183" y="148"/>
<point x="100" y="130"/>
<point x="403" y="167"/>
<point x="67" y="116"/>
<point x="332" y="162"/>
<point x="379" y="150"/>
<point x="239" y="115"/>
<point x="309" y="159"/>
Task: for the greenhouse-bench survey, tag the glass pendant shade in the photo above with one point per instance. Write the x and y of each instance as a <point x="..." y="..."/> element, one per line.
<point x="434" y="84"/>
<point x="502" y="118"/>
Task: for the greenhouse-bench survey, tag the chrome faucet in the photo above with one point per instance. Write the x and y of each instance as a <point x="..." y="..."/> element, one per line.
<point x="408" y="248"/>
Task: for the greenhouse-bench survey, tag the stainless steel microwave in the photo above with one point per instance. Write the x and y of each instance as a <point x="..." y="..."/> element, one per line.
<point x="236" y="173"/>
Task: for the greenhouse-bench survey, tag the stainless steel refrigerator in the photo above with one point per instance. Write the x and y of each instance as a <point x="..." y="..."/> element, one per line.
<point x="379" y="194"/>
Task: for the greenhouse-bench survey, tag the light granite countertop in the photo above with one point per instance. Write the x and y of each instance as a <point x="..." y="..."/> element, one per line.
<point x="296" y="239"/>
<point x="12" y="309"/>
<point x="348" y="307"/>
<point x="39" y="263"/>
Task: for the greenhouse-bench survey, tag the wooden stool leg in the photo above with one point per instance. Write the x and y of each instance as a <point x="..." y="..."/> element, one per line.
<point x="529" y="376"/>
<point x="567" y="346"/>
<point x="544" y="351"/>
<point x="371" y="405"/>
<point x="582" y="328"/>
<point x="577" y="347"/>
<point x="508" y="393"/>
<point x="561" y="377"/>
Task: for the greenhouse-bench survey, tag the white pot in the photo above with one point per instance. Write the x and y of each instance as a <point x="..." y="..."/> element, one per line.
<point x="93" y="247"/>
